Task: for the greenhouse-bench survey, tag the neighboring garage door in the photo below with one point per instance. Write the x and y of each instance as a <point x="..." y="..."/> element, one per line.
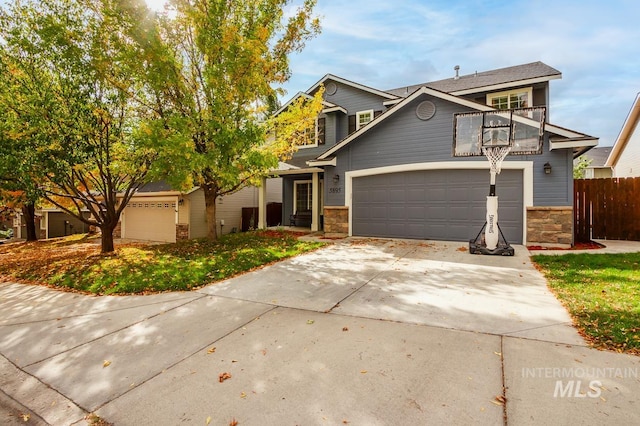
<point x="150" y="221"/>
<point x="435" y="204"/>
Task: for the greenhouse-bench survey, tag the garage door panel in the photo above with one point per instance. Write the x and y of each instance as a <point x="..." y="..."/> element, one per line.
<point x="150" y="221"/>
<point x="435" y="204"/>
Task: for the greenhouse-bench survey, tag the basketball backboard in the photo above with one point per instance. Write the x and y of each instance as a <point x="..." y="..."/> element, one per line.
<point x="521" y="129"/>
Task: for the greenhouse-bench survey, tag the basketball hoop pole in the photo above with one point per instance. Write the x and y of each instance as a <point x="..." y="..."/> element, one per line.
<point x="492" y="232"/>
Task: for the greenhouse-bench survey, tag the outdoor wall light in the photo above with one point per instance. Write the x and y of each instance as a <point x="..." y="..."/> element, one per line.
<point x="181" y="201"/>
<point x="547" y="168"/>
<point x="336" y="178"/>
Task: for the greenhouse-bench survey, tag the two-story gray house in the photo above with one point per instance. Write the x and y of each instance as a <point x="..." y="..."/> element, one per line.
<point x="380" y="163"/>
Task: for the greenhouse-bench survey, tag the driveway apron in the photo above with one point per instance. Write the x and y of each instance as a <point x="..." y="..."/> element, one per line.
<point x="364" y="331"/>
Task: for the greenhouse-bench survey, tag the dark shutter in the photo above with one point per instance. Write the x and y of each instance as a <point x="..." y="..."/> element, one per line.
<point x="352" y="124"/>
<point x="321" y="127"/>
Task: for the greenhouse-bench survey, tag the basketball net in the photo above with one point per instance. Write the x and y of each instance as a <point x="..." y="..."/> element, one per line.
<point x="495" y="155"/>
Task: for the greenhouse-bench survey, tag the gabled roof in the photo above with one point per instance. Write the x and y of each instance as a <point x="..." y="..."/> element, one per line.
<point x="625" y="134"/>
<point x="359" y="86"/>
<point x="501" y="78"/>
<point x="598" y="156"/>
<point x="328" y="106"/>
<point x="568" y="138"/>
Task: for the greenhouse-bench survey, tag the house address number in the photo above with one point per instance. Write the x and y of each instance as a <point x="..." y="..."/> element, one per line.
<point x="335" y="190"/>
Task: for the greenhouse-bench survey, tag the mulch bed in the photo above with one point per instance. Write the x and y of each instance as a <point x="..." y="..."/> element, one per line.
<point x="591" y="245"/>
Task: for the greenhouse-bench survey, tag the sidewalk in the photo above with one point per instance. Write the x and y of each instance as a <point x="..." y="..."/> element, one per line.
<point x="361" y="332"/>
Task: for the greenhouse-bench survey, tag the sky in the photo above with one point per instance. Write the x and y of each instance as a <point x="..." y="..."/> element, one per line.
<point x="389" y="44"/>
<point x="395" y="43"/>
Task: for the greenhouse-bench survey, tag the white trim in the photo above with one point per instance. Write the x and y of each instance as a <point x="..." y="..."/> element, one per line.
<point x="572" y="143"/>
<point x="295" y="171"/>
<point x="327" y="104"/>
<point x="295" y="192"/>
<point x="392" y="102"/>
<point x="525" y="166"/>
<point x="322" y="163"/>
<point x="334" y="109"/>
<point x="506" y="85"/>
<point x="352" y="84"/>
<point x="361" y="113"/>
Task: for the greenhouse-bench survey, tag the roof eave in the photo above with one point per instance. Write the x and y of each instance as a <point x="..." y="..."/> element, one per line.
<point x="625" y="133"/>
<point x="507" y="85"/>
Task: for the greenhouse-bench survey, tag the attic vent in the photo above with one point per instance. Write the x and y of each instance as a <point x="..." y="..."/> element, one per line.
<point x="425" y="110"/>
<point x="331" y="88"/>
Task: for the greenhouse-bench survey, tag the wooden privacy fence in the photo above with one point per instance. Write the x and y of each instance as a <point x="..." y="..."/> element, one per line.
<point x="606" y="209"/>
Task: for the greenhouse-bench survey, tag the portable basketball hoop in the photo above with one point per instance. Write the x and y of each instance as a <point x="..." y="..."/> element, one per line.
<point x="496" y="134"/>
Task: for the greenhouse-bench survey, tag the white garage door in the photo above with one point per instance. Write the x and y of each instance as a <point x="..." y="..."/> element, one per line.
<point x="150" y="220"/>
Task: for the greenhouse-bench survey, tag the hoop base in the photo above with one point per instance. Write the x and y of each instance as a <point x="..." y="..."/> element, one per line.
<point x="478" y="246"/>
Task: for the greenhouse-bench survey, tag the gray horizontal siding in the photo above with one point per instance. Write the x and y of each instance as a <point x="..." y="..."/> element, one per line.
<point x="405" y="139"/>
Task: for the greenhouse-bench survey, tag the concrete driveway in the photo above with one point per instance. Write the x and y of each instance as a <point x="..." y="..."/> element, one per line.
<point x="364" y="331"/>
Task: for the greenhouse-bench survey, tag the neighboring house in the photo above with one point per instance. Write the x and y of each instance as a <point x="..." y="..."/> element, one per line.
<point x="597" y="158"/>
<point x="56" y="223"/>
<point x="51" y="223"/>
<point x="158" y="213"/>
<point x="381" y="163"/>
<point x="625" y="155"/>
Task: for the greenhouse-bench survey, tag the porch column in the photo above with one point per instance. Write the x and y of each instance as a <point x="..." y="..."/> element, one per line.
<point x="262" y="204"/>
<point x="315" y="202"/>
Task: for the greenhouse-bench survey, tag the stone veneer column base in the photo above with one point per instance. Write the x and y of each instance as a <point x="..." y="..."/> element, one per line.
<point x="182" y="232"/>
<point x="336" y="219"/>
<point x="550" y="226"/>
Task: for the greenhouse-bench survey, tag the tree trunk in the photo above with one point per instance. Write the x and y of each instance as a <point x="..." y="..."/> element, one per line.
<point x="106" y="238"/>
<point x="210" y="195"/>
<point x="29" y="214"/>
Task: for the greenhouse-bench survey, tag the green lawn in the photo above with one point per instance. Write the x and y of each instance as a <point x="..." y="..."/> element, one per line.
<point x="602" y="294"/>
<point x="75" y="262"/>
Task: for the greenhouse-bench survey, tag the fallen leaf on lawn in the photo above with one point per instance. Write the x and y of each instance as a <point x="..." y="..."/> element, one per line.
<point x="363" y="371"/>
<point x="224" y="376"/>
<point x="243" y="395"/>
<point x="106" y="363"/>
<point x="264" y="352"/>
<point x="345" y="328"/>
<point x="498" y="353"/>
<point x="233" y="422"/>
<point x="212" y="350"/>
<point x="208" y="420"/>
<point x="310" y="321"/>
<point x="26" y="417"/>
<point x="603" y="399"/>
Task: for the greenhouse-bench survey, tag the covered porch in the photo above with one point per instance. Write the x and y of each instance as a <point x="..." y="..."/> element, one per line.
<point x="302" y="198"/>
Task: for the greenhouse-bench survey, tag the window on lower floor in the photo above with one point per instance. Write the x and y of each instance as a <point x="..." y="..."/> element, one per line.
<point x="302" y="196"/>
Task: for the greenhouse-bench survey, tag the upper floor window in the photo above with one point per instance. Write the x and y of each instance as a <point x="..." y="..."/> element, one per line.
<point x="363" y="118"/>
<point x="314" y="135"/>
<point x="519" y="98"/>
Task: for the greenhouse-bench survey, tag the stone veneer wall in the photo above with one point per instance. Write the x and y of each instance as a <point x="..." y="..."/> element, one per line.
<point x="550" y="225"/>
<point x="117" y="231"/>
<point x="182" y="232"/>
<point x="336" y="219"/>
